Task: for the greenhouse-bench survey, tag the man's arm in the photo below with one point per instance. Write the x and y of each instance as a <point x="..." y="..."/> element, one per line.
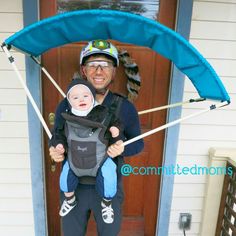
<point x="130" y="120"/>
<point x="57" y="150"/>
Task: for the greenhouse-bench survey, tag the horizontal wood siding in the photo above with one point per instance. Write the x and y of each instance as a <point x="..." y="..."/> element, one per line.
<point x="16" y="211"/>
<point x="213" y="33"/>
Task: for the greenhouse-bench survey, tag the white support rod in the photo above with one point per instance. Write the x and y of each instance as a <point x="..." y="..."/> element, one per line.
<point x="162" y="107"/>
<point x="173" y="123"/>
<point x="167" y="106"/>
<point x="27" y="91"/>
<point x="50" y="77"/>
<point x="139" y="113"/>
<point x="53" y="81"/>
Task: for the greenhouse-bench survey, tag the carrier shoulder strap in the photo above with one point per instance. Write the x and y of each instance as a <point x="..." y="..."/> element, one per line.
<point x="114" y="108"/>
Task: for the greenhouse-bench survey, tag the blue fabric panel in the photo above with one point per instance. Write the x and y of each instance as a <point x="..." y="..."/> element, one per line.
<point x="68" y="180"/>
<point x="106" y="181"/>
<point x="125" y="27"/>
<point x="63" y="177"/>
<point x="110" y="178"/>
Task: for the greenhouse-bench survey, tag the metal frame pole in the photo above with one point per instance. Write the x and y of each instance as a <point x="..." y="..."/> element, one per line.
<point x="19" y="76"/>
<point x="171" y="105"/>
<point x="49" y="76"/>
<point x="174" y="123"/>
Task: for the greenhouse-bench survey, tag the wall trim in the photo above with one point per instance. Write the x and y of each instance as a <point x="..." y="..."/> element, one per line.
<point x="183" y="25"/>
<point x="33" y="80"/>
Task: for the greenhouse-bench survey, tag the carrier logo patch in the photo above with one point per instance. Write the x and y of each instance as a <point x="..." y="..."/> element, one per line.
<point x="83" y="154"/>
<point x="82" y="149"/>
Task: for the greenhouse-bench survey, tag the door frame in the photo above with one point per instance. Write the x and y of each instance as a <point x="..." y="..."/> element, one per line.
<point x="183" y="25"/>
<point x="31" y="15"/>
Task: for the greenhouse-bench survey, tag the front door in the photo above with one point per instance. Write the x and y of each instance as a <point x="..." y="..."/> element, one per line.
<point x="141" y="191"/>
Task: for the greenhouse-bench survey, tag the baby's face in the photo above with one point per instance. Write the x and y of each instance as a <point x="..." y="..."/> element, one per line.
<point x="80" y="97"/>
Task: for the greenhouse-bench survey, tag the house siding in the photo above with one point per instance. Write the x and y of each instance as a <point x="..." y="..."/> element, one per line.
<point x="16" y="211"/>
<point x="213" y="33"/>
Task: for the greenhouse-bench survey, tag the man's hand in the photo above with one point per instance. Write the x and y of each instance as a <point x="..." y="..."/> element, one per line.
<point x="57" y="153"/>
<point x="115" y="149"/>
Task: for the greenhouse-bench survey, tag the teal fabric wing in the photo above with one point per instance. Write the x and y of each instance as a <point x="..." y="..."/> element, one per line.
<point x="125" y="27"/>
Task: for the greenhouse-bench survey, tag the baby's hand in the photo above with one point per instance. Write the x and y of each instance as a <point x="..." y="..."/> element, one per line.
<point x="60" y="148"/>
<point x="114" y="131"/>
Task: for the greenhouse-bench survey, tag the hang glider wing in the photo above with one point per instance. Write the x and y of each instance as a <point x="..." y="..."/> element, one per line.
<point x="125" y="27"/>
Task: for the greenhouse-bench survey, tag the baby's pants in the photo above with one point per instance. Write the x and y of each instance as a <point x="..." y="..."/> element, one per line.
<point x="106" y="179"/>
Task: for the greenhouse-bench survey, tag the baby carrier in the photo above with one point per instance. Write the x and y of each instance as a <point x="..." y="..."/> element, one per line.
<point x="87" y="138"/>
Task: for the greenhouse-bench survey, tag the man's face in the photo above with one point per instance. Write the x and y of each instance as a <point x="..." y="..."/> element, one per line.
<point x="99" y="71"/>
<point x="80" y="97"/>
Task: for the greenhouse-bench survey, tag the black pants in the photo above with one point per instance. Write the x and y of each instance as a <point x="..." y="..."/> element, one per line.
<point x="75" y="223"/>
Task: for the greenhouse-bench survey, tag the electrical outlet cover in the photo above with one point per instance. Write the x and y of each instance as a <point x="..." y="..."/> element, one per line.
<point x="185" y="221"/>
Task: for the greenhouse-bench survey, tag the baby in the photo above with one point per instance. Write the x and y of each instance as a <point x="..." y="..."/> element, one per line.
<point x="81" y="97"/>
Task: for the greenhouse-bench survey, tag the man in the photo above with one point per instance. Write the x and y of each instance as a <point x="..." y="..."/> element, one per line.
<point x="98" y="60"/>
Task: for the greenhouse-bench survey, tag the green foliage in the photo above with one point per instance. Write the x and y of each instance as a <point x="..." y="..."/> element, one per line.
<point x="73" y="5"/>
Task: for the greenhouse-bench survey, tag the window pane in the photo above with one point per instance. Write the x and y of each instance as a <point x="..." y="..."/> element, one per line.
<point x="147" y="8"/>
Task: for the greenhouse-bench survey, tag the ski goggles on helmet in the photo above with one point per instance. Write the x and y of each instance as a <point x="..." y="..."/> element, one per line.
<point x="99" y="47"/>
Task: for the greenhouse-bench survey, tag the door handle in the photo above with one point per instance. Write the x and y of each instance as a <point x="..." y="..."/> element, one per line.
<point x="51" y="118"/>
